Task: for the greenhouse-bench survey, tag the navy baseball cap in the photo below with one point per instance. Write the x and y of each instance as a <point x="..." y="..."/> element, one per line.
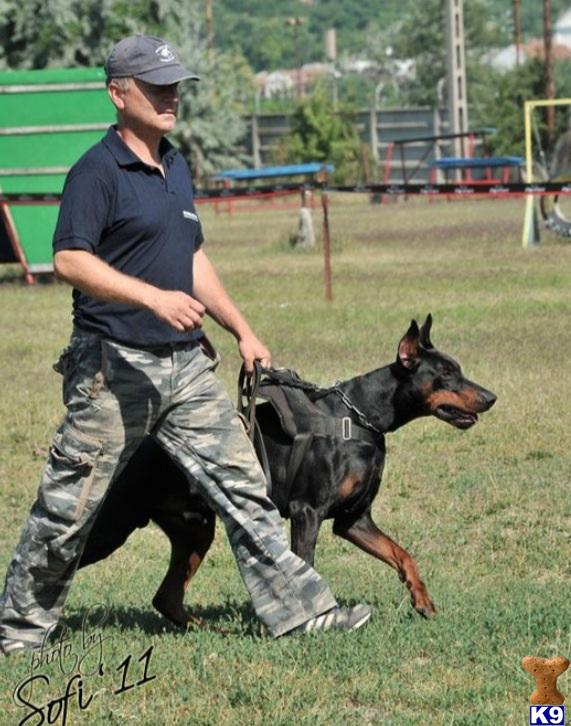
<point x="147" y="58"/>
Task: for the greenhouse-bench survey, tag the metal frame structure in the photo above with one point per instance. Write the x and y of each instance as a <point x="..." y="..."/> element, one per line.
<point x="530" y="237"/>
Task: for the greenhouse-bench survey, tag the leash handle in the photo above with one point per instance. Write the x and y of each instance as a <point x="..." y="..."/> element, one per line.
<point x="248" y="384"/>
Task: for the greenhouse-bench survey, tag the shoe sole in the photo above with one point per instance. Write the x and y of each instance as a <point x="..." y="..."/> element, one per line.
<point x="365" y="619"/>
<point x="327" y="627"/>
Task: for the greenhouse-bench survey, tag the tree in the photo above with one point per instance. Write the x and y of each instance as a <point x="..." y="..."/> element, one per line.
<point x="500" y="100"/>
<point x="499" y="105"/>
<point x="211" y="124"/>
<point x="421" y="36"/>
<point x="317" y="133"/>
<point x="70" y="33"/>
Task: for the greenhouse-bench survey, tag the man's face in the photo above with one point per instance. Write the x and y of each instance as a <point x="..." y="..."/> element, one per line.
<point x="145" y="105"/>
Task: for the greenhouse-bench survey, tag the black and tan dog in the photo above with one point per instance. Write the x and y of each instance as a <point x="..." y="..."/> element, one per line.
<point x="338" y="477"/>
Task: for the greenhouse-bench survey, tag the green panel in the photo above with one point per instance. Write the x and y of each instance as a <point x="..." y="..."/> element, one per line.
<point x="35" y="225"/>
<point x="44" y="184"/>
<point x="29" y="107"/>
<point x="52" y="75"/>
<point x="37" y="150"/>
<point x="55" y="107"/>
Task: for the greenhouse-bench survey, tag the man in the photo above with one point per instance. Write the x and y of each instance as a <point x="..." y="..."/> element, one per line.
<point x="129" y="242"/>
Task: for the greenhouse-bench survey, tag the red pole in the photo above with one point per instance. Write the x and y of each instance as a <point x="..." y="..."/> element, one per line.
<point x="326" y="247"/>
<point x="14" y="238"/>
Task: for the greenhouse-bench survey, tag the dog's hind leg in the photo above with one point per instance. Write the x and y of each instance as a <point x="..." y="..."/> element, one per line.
<point x="190" y="539"/>
<point x="364" y="533"/>
<point x="305" y="524"/>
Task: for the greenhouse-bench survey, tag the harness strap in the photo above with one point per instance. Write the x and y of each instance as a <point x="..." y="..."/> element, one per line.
<point x="300" y="447"/>
<point x="344" y="428"/>
<point x="301" y="421"/>
<point x="260" y="448"/>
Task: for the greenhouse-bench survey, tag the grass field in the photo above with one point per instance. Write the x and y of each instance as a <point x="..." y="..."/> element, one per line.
<point x="486" y="513"/>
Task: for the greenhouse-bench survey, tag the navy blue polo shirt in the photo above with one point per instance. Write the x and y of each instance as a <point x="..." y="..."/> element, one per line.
<point x="139" y="222"/>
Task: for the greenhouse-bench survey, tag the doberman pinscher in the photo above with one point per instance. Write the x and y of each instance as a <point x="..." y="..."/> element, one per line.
<point x="338" y="477"/>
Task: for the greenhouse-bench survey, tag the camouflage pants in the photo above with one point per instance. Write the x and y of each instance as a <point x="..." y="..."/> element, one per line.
<point x="114" y="396"/>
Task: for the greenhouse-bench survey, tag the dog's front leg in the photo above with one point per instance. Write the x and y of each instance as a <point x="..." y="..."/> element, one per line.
<point x="305" y="524"/>
<point x="364" y="533"/>
<point x="190" y="541"/>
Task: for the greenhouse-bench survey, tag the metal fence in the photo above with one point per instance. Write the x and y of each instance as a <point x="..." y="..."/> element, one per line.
<point x="377" y="128"/>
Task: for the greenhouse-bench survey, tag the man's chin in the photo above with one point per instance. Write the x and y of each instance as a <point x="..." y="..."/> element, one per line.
<point x="167" y="121"/>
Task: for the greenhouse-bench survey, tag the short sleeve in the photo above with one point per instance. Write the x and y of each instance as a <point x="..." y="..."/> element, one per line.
<point x="199" y="236"/>
<point x="84" y="212"/>
<point x="199" y="239"/>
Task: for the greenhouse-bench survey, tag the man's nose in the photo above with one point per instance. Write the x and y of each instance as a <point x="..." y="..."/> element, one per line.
<point x="171" y="92"/>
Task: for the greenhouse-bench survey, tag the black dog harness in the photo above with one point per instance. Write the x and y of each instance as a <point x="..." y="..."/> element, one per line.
<point x="301" y="420"/>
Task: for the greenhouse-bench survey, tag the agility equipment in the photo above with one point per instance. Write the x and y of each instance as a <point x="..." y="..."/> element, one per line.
<point x="48" y="119"/>
<point x="550" y="208"/>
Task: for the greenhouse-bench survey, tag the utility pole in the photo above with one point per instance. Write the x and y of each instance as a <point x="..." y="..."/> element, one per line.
<point x="517" y="30"/>
<point x="209" y="29"/>
<point x="456" y="74"/>
<point x="331" y="57"/>
<point x="296" y="23"/>
<point x="549" y="77"/>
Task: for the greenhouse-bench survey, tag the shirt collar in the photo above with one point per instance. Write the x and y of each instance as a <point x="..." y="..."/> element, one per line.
<point x="126" y="157"/>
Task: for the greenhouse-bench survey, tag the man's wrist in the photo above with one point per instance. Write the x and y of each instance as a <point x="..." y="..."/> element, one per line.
<point x="148" y="296"/>
<point x="243" y="333"/>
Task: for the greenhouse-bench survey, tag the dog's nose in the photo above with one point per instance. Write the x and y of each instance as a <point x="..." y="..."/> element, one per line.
<point x="489" y="399"/>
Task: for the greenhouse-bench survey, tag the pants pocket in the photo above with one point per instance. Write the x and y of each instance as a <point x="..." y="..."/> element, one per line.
<point x="83" y="376"/>
<point x="68" y="477"/>
<point x="209" y="351"/>
<point x="63" y="363"/>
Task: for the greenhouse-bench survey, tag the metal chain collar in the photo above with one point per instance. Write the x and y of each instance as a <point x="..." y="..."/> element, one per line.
<point x="351" y="406"/>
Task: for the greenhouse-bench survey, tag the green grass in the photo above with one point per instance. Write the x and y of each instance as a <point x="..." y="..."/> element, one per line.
<point x="486" y="513"/>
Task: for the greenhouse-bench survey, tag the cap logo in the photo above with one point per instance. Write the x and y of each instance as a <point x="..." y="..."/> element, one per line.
<point x="165" y="54"/>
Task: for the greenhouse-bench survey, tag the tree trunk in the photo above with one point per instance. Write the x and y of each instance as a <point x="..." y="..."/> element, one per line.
<point x="517" y="30"/>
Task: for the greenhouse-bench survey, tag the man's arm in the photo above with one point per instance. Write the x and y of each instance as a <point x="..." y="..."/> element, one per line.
<point x="88" y="273"/>
<point x="209" y="290"/>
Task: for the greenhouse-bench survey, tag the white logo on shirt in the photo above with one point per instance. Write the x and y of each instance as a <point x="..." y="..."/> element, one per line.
<point x="165" y="53"/>
<point x="189" y="215"/>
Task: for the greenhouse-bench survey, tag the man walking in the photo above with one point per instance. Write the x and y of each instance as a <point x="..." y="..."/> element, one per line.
<point x="129" y="241"/>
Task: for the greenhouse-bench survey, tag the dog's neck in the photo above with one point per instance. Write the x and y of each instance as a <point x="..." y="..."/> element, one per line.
<point x="377" y="395"/>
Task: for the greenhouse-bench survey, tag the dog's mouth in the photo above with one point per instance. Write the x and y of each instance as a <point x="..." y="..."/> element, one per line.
<point x="457" y="417"/>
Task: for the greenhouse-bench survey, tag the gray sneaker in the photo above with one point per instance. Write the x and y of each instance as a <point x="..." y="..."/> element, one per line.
<point x="337" y="619"/>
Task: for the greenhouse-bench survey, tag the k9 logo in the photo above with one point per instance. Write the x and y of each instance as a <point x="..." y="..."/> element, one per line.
<point x="547" y="715"/>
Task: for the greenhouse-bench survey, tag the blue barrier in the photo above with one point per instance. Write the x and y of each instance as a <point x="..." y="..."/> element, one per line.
<point x="485" y="163"/>
<point x="268" y="172"/>
<point x="459" y="162"/>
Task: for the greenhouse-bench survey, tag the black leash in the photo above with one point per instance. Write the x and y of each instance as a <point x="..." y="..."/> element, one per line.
<point x="248" y="386"/>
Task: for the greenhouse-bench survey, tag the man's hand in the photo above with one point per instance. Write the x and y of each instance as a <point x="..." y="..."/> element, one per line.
<point x="177" y="309"/>
<point x="251" y="349"/>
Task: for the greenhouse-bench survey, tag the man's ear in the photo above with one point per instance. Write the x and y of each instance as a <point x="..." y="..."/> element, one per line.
<point x="116" y="93"/>
<point x="408" y="354"/>
<point x="425" y="332"/>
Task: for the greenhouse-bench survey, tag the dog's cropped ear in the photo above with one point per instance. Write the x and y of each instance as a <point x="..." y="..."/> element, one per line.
<point x="425" y="332"/>
<point x="409" y="348"/>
